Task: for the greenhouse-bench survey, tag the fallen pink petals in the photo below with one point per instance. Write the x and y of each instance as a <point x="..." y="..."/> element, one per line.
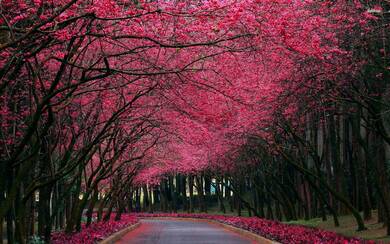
<point x="95" y="232"/>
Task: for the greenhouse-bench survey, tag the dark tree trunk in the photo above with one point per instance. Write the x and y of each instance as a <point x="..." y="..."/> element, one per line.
<point x="44" y="223"/>
<point x="138" y="200"/>
<point x="219" y="190"/>
<point x="207" y="189"/>
<point x="201" y="197"/>
<point x="270" y="213"/>
<point x="173" y="194"/>
<point x="146" y="201"/>
<point x="191" y="190"/>
<point x="183" y="191"/>
<point x="91" y="205"/>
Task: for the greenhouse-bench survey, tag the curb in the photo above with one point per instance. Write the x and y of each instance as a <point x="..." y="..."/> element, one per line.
<point x="245" y="233"/>
<point x="119" y="234"/>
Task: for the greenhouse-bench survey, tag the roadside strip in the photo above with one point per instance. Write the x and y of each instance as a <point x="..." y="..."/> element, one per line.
<point x="119" y="234"/>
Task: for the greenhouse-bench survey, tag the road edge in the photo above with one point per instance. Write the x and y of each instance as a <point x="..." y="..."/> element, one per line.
<point x="119" y="234"/>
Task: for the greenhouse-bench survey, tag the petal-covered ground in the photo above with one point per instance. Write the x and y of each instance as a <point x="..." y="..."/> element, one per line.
<point x="95" y="232"/>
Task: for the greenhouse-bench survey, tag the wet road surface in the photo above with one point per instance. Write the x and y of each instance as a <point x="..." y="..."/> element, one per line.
<point x="156" y="231"/>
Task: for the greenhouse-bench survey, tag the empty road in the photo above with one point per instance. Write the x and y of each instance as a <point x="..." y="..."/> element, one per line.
<point x="157" y="231"/>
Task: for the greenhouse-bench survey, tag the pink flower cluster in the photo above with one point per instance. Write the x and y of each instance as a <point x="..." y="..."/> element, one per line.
<point x="95" y="232"/>
<point x="272" y="230"/>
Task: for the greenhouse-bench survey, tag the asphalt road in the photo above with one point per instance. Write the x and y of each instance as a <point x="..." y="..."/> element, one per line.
<point x="180" y="232"/>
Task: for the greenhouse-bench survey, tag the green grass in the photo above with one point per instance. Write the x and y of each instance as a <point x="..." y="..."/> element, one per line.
<point x="375" y="231"/>
<point x="311" y="222"/>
